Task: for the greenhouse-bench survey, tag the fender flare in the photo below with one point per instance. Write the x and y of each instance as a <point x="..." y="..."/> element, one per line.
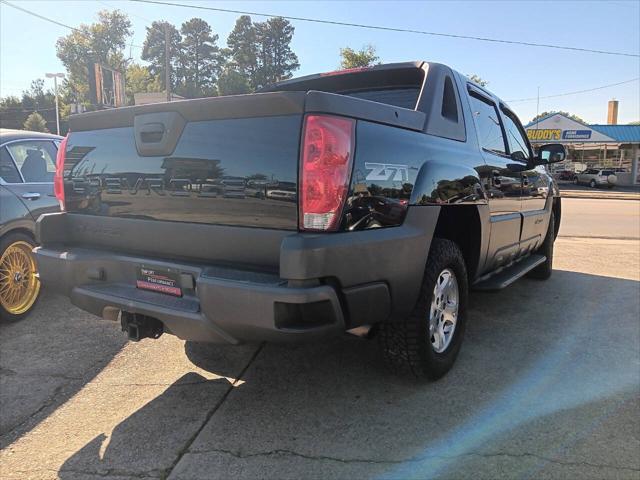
<point x="440" y="183"/>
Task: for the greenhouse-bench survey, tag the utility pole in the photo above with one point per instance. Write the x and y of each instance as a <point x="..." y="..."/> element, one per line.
<point x="167" y="73"/>
<point x="55" y="77"/>
<point x="538" y="108"/>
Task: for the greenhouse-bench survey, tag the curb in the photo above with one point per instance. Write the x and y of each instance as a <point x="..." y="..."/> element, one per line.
<point x="599" y="196"/>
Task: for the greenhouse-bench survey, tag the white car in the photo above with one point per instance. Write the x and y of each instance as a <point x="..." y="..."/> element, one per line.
<point x="596" y="178"/>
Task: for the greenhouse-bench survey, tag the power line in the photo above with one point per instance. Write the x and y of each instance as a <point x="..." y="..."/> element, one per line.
<point x="390" y="29"/>
<point x="575" y="92"/>
<point x="50" y="20"/>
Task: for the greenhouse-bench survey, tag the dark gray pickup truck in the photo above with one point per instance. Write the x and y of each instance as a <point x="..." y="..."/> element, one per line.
<point x="365" y="200"/>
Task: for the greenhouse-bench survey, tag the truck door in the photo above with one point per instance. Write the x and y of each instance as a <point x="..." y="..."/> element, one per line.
<point x="535" y="184"/>
<point x="502" y="180"/>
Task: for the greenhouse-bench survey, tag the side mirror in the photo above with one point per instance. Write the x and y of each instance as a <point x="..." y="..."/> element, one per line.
<point x="550" y="153"/>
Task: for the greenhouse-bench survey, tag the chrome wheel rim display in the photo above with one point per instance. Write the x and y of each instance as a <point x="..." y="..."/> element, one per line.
<point x="443" y="314"/>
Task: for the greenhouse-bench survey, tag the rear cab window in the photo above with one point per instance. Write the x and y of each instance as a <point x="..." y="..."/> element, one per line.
<point x="399" y="87"/>
<point x="398" y="97"/>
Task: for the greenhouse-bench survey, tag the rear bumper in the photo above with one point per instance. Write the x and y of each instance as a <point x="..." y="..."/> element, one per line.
<point x="220" y="305"/>
<point x="325" y="285"/>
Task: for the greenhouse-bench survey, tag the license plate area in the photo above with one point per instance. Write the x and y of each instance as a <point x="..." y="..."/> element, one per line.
<point x="161" y="280"/>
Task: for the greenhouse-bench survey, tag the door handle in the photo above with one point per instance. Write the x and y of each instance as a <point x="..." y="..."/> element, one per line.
<point x="31" y="196"/>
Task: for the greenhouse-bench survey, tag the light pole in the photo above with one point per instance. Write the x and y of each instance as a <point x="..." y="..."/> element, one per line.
<point x="55" y="77"/>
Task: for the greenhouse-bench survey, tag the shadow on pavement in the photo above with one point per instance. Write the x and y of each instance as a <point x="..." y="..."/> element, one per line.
<point x="145" y="443"/>
<point x="543" y="372"/>
<point x="46" y="358"/>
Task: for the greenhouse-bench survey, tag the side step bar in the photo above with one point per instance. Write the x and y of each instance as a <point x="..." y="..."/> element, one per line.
<point x="508" y="275"/>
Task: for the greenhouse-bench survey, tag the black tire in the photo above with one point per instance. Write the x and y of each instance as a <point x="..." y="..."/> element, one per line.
<point x="405" y="344"/>
<point x="544" y="270"/>
<point x="575" y="181"/>
<point x="5" y="241"/>
<point x="592" y="184"/>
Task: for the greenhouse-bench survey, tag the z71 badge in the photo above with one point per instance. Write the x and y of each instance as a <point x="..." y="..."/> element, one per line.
<point x="387" y="171"/>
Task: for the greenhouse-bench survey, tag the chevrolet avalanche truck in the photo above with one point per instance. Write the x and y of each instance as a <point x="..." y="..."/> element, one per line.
<point x="364" y="200"/>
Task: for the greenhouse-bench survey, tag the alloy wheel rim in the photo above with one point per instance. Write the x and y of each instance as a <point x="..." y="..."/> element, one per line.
<point x="19" y="283"/>
<point x="443" y="314"/>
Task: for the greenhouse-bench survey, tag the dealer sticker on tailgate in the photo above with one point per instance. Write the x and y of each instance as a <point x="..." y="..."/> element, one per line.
<point x="159" y="280"/>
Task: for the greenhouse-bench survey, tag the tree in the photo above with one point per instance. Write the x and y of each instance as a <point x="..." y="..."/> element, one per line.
<point x="11" y="113"/>
<point x="36" y="97"/>
<point x="15" y="110"/>
<point x="200" y="59"/>
<point x="477" y="79"/>
<point x="551" y="112"/>
<point x="36" y="123"/>
<point x="140" y="80"/>
<point x="102" y="42"/>
<point x="637" y="122"/>
<point x="276" y="60"/>
<point x="153" y="51"/>
<point x="243" y="49"/>
<point x="365" y="57"/>
<point x="232" y="82"/>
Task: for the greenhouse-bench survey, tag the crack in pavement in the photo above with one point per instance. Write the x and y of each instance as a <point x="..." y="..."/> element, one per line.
<point x="285" y="452"/>
<point x="88" y="375"/>
<point x="12" y="373"/>
<point x="112" y="472"/>
<point x="185" y="448"/>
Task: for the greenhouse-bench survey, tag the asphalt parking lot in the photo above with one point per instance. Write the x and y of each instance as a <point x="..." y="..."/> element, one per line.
<point x="547" y="385"/>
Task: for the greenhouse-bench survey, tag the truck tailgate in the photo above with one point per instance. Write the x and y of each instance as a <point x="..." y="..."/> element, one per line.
<point x="219" y="161"/>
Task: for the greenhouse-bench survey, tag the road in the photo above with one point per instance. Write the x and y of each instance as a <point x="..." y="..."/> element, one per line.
<point x="547" y="385"/>
<point x="600" y="218"/>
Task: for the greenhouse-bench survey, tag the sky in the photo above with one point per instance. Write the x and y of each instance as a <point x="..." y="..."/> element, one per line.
<point x="27" y="44"/>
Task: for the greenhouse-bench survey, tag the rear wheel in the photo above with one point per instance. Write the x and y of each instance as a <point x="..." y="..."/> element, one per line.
<point x="592" y="184"/>
<point x="427" y="342"/>
<point x="544" y="270"/>
<point x="575" y="181"/>
<point x="19" y="283"/>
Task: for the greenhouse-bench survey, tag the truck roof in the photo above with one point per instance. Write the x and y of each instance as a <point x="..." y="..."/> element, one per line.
<point x="360" y="76"/>
<point x="383" y="76"/>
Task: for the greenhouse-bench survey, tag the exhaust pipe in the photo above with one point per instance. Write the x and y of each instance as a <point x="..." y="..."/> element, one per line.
<point x="139" y="326"/>
<point x="363" y="331"/>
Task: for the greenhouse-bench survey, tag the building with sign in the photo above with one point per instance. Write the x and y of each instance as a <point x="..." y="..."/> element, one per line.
<point x="591" y="146"/>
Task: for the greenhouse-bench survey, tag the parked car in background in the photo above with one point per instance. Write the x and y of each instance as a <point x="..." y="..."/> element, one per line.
<point x="566" y="175"/>
<point x="27" y="166"/>
<point x="596" y="178"/>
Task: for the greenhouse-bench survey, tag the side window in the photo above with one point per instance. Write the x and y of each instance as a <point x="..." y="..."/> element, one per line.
<point x="35" y="159"/>
<point x="488" y="126"/>
<point x="8" y="171"/>
<point x="449" y="105"/>
<point x="445" y="112"/>
<point x="517" y="143"/>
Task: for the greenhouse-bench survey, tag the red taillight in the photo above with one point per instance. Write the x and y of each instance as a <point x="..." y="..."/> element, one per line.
<point x="327" y="151"/>
<point x="58" y="178"/>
